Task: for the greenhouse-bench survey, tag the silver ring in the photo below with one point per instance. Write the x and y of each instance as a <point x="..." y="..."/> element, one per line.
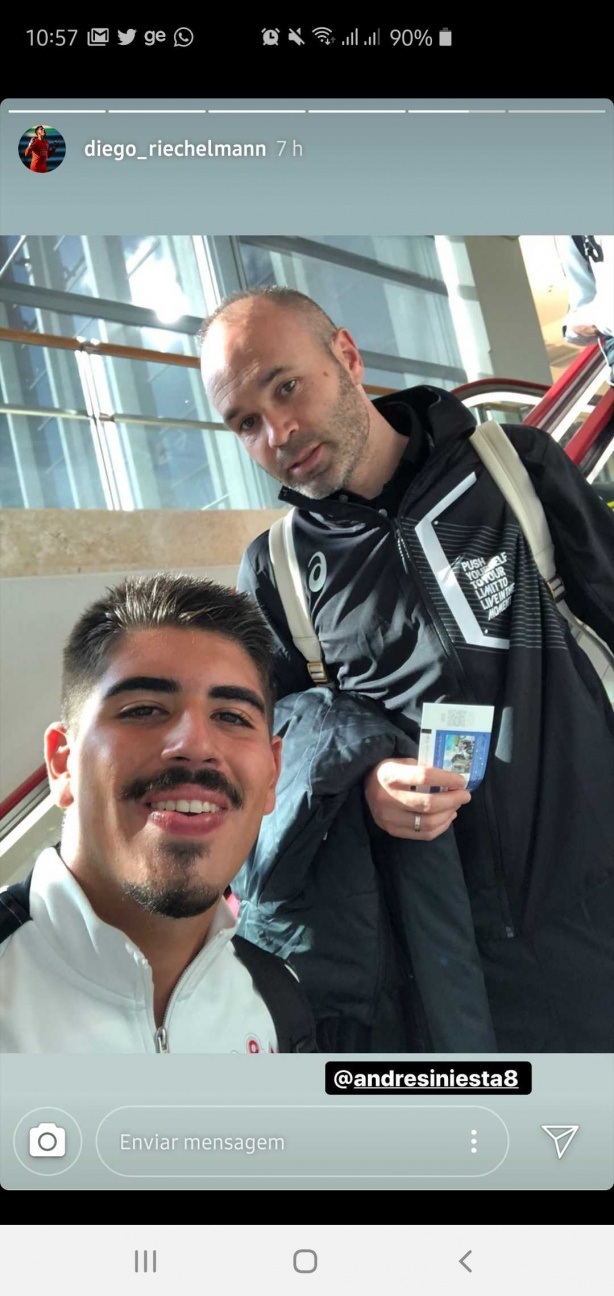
<point x="417" y="823"/>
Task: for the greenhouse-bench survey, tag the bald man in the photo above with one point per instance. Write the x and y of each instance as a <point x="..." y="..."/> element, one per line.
<point x="399" y="533"/>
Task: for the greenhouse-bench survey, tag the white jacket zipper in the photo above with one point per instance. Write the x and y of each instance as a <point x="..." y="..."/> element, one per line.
<point x="161" y="1036"/>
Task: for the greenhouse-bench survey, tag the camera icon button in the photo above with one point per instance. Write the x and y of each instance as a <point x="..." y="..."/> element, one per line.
<point x="47" y="1141"/>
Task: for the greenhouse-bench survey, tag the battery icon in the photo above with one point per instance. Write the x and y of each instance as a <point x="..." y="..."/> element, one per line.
<point x="445" y="36"/>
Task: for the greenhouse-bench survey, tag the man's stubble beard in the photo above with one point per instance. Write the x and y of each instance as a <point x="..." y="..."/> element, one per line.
<point x="349" y="423"/>
<point x="177" y="896"/>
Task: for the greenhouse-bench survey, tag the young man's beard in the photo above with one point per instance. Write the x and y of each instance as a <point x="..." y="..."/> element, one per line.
<point x="176" y="896"/>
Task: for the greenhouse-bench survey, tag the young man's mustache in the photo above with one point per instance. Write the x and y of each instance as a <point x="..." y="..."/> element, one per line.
<point x="208" y="780"/>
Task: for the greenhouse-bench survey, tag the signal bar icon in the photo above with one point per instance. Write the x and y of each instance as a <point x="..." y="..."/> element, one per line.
<point x="352" y="39"/>
<point x="374" y="39"/>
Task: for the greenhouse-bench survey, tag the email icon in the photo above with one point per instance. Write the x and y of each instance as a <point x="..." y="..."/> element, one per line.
<point x="98" y="36"/>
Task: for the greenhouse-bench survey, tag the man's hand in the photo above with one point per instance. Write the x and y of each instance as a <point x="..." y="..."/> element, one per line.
<point x="580" y="322"/>
<point x="399" y="798"/>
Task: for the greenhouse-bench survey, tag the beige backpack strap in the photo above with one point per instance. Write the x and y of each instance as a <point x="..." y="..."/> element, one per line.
<point x="507" y="469"/>
<point x="291" y="592"/>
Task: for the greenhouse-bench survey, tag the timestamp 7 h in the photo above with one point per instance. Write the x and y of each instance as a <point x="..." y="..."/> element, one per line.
<point x="65" y="36"/>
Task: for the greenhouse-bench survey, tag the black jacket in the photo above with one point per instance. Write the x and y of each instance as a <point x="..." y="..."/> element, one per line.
<point x="430" y="593"/>
<point x="379" y="929"/>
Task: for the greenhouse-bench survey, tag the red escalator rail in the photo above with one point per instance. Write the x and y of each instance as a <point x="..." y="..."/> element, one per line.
<point x="22" y="791"/>
<point x="493" y="386"/>
<point x="567" y="388"/>
<point x="585" y="437"/>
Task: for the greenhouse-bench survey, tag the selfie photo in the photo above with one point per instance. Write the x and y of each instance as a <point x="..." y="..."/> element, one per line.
<point x="307" y="644"/>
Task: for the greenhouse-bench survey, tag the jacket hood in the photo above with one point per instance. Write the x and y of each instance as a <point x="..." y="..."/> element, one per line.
<point x="439" y="413"/>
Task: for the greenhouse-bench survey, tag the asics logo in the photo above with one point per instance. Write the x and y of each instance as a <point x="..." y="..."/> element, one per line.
<point x="317" y="572"/>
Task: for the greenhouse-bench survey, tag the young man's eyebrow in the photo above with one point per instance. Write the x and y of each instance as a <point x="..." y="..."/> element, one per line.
<point x="267" y="378"/>
<point x="156" y="684"/>
<point x="147" y="683"/>
<point x="236" y="693"/>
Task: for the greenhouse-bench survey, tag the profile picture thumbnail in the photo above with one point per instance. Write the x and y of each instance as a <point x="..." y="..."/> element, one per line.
<point x="42" y="149"/>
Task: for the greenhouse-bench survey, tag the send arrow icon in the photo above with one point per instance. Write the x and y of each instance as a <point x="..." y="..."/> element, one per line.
<point x="562" y="1136"/>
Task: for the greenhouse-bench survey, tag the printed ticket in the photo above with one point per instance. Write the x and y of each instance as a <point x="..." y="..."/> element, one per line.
<point x="456" y="738"/>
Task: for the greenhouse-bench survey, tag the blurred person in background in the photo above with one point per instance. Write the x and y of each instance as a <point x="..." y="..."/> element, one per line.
<point x="588" y="262"/>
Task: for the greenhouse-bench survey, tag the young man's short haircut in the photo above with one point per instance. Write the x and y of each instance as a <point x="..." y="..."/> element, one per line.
<point x="149" y="602"/>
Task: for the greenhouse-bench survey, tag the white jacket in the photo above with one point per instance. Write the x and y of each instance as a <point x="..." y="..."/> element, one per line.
<point x="590" y="288"/>
<point x="70" y="983"/>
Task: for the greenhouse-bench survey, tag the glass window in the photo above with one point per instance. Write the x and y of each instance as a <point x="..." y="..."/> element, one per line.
<point x="258" y="265"/>
<point x="398" y="381"/>
<point x="11" y="494"/>
<point x="150" y="450"/>
<point x="383" y="315"/>
<point x="48" y="463"/>
<point x="40" y="377"/>
<point x="158" y="272"/>
<point x="153" y="389"/>
<point x="185" y="468"/>
<point x="71" y="253"/>
<point x="404" y="252"/>
<point x="17" y="271"/>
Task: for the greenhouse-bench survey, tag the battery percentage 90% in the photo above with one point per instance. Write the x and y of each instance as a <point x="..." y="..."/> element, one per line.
<point x="409" y="37"/>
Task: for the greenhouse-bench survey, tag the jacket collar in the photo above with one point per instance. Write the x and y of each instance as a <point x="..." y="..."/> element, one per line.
<point x="92" y="949"/>
<point x="418" y="413"/>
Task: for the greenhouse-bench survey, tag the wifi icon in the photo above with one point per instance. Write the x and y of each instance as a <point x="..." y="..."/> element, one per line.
<point x="323" y="34"/>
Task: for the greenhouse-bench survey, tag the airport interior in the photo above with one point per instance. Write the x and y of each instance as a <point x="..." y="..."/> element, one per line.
<point x="112" y="461"/>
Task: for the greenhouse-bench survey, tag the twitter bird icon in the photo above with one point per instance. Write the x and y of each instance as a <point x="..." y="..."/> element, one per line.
<point x="127" y="37"/>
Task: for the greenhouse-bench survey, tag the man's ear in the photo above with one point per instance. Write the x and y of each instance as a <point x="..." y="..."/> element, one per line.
<point x="276" y="748"/>
<point x="346" y="351"/>
<point x="57" y="753"/>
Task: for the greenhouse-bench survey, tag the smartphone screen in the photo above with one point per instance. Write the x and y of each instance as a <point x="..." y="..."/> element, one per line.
<point x="249" y="945"/>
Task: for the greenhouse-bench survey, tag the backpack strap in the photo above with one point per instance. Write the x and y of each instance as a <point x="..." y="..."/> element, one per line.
<point x="273" y="979"/>
<point x="291" y="592"/>
<point x="508" y="471"/>
<point x="14" y="907"/>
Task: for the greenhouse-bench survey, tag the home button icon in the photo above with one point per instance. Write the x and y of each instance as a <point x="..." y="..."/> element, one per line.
<point x="305" y="1261"/>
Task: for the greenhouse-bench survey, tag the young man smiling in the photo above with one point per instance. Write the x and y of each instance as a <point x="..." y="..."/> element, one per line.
<point x="164" y="763"/>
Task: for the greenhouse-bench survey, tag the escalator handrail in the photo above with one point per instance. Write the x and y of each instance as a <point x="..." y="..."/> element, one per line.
<point x="24" y="789"/>
<point x="567" y="389"/>
<point x="493" y="386"/>
<point x="584" y="438"/>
